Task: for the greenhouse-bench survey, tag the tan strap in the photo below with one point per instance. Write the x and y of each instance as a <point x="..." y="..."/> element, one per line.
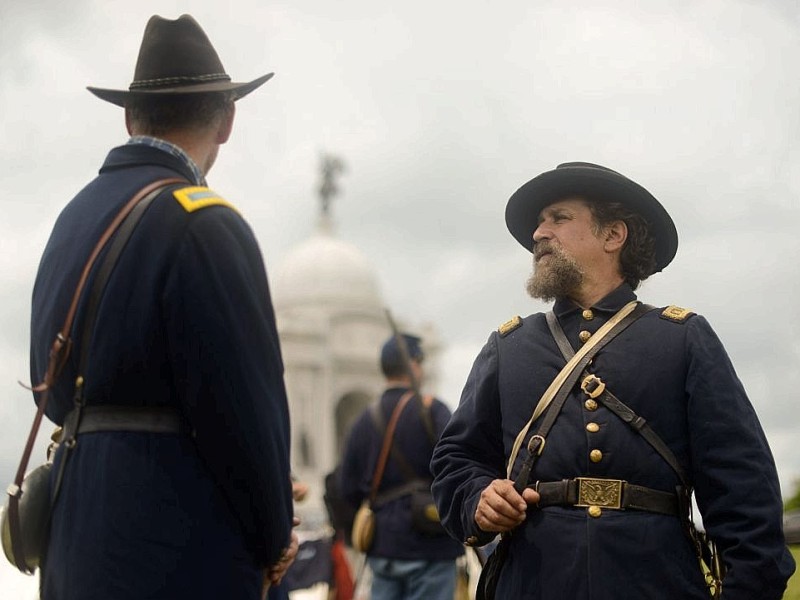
<point x="556" y="384"/>
<point x="387" y="444"/>
<point x="59" y="352"/>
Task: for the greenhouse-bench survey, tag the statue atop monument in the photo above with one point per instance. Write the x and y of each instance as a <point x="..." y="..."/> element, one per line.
<point x="331" y="166"/>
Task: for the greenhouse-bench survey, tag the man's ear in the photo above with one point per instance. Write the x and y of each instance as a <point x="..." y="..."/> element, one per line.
<point x="226" y="125"/>
<point x="616" y="235"/>
<point x="128" y="124"/>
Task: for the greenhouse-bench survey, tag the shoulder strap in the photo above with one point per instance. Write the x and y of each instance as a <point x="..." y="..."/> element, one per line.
<point x="394" y="451"/>
<point x="387" y="444"/>
<point x="59" y="352"/>
<point x="615" y="405"/>
<point x="567" y="351"/>
<point x="125" y="223"/>
<point x="560" y="387"/>
<point x="426" y="402"/>
<point x="593" y="386"/>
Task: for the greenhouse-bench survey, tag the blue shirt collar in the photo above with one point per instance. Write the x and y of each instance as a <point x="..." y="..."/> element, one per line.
<point x="170" y="148"/>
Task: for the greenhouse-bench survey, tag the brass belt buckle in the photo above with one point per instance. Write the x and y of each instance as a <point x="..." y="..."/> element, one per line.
<point x="606" y="493"/>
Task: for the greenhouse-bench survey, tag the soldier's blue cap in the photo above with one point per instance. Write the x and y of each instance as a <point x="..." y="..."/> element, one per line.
<point x="392" y="357"/>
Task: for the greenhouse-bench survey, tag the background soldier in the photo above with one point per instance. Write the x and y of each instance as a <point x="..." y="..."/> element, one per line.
<point x="406" y="563"/>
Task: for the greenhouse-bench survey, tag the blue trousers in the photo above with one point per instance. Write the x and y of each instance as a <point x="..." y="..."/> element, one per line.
<point x="394" y="579"/>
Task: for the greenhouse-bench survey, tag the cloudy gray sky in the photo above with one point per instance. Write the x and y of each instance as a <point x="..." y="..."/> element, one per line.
<point x="441" y="110"/>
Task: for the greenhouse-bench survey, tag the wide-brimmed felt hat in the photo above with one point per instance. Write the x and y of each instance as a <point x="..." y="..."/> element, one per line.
<point x="596" y="183"/>
<point x="176" y="57"/>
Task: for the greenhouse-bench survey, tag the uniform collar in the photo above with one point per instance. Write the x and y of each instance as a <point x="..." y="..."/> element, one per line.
<point x="610" y="303"/>
<point x="138" y="155"/>
<point x="400" y="387"/>
<point x="174" y="150"/>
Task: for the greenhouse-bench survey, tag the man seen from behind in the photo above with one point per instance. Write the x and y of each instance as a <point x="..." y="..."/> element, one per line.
<point x="176" y="479"/>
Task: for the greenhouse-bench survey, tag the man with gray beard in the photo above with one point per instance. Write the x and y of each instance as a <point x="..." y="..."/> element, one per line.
<point x="581" y="435"/>
<point x="561" y="276"/>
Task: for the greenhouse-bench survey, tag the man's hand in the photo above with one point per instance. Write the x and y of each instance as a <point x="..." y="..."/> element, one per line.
<point x="274" y="574"/>
<point x="501" y="508"/>
<point x="299" y="491"/>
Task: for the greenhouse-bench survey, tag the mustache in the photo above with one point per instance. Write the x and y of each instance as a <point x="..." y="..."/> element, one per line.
<point x="544" y="247"/>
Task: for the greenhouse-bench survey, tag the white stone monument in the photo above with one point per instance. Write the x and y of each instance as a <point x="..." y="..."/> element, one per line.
<point x="332" y="321"/>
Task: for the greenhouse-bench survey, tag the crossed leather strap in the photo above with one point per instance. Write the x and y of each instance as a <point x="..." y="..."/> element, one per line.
<point x="62" y="345"/>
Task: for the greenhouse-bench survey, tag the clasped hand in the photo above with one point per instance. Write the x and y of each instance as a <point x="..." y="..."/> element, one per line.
<point x="275" y="573"/>
<point x="501" y="508"/>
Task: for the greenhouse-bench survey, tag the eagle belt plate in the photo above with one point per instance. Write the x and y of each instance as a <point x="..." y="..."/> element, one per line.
<point x="599" y="492"/>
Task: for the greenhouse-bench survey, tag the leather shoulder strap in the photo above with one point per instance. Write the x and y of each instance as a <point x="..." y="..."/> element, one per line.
<point x="59" y="351"/>
<point x="387" y="444"/>
<point x="124" y="224"/>
<point x="131" y="213"/>
<point x="560" y="387"/>
<point x="619" y="408"/>
<point x="427" y="421"/>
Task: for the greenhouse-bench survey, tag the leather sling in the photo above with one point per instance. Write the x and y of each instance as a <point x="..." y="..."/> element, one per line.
<point x="60" y="349"/>
<point x="593" y="385"/>
<point x="560" y="388"/>
<point x="125" y="228"/>
<point x="412" y="479"/>
<point x="552" y="401"/>
<point x="652" y="500"/>
<point x="567" y="492"/>
<point x="387" y="445"/>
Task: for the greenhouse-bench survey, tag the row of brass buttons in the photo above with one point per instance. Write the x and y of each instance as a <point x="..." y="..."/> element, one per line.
<point x="591" y="405"/>
<point x="584" y="335"/>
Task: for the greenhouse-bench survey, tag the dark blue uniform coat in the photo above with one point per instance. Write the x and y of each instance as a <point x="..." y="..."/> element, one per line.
<point x="394" y="536"/>
<point x="186" y="322"/>
<point x="678" y="377"/>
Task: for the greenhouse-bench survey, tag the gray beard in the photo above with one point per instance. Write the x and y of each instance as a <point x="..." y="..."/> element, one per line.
<point x="559" y="278"/>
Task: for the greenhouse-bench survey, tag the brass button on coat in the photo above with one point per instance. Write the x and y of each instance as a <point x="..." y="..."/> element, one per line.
<point x="594" y="511"/>
<point x="590" y="404"/>
<point x="595" y="456"/>
<point x="587" y="315"/>
<point x="592" y="427"/>
<point x="584" y="336"/>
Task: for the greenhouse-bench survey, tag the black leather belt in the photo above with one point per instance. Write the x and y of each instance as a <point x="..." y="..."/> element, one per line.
<point x="123" y="418"/>
<point x="614" y="494"/>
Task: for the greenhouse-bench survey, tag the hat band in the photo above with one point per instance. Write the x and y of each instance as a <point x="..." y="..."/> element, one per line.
<point x="168" y="81"/>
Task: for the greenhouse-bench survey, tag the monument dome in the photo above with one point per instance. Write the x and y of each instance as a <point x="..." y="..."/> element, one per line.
<point x="326" y="271"/>
<point x="332" y="321"/>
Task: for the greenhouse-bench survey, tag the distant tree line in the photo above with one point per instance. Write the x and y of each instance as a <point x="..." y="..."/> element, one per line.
<point x="793" y="503"/>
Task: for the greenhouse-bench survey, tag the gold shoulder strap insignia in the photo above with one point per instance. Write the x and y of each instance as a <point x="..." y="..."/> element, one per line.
<point x="676" y="314"/>
<point x="196" y="197"/>
<point x="510" y="326"/>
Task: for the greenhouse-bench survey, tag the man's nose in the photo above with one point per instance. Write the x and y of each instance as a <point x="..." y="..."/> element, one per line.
<point x="542" y="232"/>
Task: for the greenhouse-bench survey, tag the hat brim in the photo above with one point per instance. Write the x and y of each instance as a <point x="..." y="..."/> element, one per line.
<point x="524" y="206"/>
<point x="239" y="90"/>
